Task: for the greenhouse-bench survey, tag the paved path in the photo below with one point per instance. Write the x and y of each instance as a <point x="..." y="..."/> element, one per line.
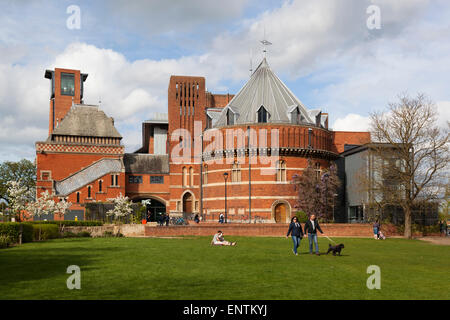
<point x="445" y="241"/>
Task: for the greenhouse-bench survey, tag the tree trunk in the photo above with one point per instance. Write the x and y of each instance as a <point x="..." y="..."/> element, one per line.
<point x="407" y="233"/>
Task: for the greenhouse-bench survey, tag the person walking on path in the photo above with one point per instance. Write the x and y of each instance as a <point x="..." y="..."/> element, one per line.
<point x="295" y="229"/>
<point x="311" y="227"/>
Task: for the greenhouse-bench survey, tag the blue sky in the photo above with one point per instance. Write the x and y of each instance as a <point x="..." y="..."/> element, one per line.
<point x="322" y="49"/>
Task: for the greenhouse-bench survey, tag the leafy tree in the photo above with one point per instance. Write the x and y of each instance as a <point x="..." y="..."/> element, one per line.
<point x="23" y="171"/>
<point x="18" y="196"/>
<point x="316" y="192"/>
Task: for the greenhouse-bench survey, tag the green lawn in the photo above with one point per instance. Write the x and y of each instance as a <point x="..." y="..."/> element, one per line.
<point x="189" y="268"/>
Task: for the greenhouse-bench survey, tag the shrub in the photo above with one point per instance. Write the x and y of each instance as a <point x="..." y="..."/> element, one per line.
<point x="112" y="234"/>
<point x="5" y="241"/>
<point x="11" y="230"/>
<point x="46" y="231"/>
<point x="70" y="223"/>
<point x="301" y="216"/>
<point x="84" y="234"/>
<point x="68" y="234"/>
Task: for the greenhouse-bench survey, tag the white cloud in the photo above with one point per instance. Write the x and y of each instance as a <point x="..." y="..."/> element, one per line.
<point x="351" y="68"/>
<point x="352" y="122"/>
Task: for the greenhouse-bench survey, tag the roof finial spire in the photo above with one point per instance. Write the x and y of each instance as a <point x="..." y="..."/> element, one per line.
<point x="265" y="43"/>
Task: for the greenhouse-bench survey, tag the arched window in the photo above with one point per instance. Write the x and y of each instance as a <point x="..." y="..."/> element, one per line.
<point x="262" y="115"/>
<point x="191" y="176"/>
<point x="236" y="172"/>
<point x="184" y="176"/>
<point x="317" y="169"/>
<point x="89" y="191"/>
<point x="281" y="170"/>
<point x="230" y="117"/>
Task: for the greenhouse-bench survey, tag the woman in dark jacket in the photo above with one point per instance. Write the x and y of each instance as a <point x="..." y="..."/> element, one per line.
<point x="295" y="229"/>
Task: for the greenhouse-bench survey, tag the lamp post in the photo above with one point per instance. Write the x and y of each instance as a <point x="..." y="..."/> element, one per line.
<point x="225" y="177"/>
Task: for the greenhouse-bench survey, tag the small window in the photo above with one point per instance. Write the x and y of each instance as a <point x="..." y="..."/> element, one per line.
<point x="262" y="115"/>
<point x="67" y="84"/>
<point x="78" y="197"/>
<point x="135" y="179"/>
<point x="100" y="186"/>
<point x="45" y="175"/>
<point x="157" y="179"/>
<point x="89" y="192"/>
<point x="114" y="180"/>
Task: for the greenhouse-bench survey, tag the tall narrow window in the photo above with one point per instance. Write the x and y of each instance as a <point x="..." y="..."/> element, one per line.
<point x="78" y="197"/>
<point x="184" y="176"/>
<point x="100" y="186"/>
<point x="67" y="84"/>
<point x="191" y="176"/>
<point x="317" y="168"/>
<point x="236" y="172"/>
<point x="205" y="174"/>
<point x="262" y="115"/>
<point x="89" y="192"/>
<point x="281" y="170"/>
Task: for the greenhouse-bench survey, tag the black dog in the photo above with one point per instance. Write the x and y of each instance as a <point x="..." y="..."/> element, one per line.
<point x="335" y="249"/>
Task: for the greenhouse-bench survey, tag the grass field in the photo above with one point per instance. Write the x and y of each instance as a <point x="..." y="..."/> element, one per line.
<point x="189" y="268"/>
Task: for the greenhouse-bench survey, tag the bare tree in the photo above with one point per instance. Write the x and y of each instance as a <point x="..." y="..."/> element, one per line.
<point x="413" y="168"/>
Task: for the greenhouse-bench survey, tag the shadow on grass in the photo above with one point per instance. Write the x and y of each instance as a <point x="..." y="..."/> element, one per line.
<point x="38" y="261"/>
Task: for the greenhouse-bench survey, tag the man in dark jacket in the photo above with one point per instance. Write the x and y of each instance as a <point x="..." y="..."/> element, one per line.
<point x="295" y="228"/>
<point x="311" y="227"/>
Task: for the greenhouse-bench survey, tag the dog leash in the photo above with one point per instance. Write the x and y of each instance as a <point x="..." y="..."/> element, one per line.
<point x="330" y="239"/>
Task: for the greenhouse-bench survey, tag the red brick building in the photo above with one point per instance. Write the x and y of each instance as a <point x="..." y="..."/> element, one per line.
<point x="83" y="159"/>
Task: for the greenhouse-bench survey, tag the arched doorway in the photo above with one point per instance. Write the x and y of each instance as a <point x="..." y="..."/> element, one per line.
<point x="154" y="209"/>
<point x="280" y="213"/>
<point x="187" y="202"/>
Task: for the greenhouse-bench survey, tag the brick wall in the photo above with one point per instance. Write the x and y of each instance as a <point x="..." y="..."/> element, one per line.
<point x="274" y="230"/>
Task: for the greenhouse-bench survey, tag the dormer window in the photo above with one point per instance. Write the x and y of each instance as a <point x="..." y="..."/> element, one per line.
<point x="230" y="117"/>
<point x="296" y="116"/>
<point x="262" y="115"/>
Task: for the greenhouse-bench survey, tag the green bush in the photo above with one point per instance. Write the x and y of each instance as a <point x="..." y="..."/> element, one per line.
<point x="5" y="241"/>
<point x="68" y="234"/>
<point x="70" y="223"/>
<point x="46" y="231"/>
<point x="84" y="234"/>
<point x="301" y="216"/>
<point x="112" y="234"/>
<point x="11" y="230"/>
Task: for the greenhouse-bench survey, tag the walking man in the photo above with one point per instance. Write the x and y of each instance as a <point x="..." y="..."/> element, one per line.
<point x="311" y="227"/>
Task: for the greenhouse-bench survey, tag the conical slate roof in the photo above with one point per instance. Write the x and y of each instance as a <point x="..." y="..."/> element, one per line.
<point x="263" y="89"/>
<point x="87" y="120"/>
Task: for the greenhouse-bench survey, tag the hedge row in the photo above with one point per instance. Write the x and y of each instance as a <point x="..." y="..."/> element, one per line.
<point x="10" y="232"/>
<point x="70" y="223"/>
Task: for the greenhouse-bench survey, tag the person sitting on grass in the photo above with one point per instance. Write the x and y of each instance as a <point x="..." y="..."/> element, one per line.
<point x="311" y="227"/>
<point x="219" y="240"/>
